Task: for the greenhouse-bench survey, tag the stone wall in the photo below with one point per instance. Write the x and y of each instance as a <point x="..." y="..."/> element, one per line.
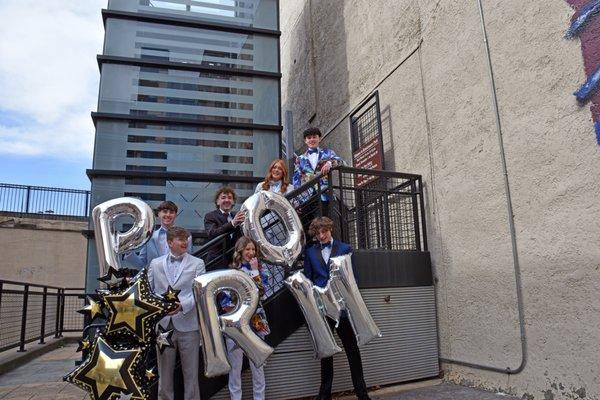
<point x="43" y="251"/>
<point x="428" y="61"/>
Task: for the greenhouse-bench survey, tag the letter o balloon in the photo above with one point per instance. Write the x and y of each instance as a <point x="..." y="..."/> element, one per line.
<point x="254" y="207"/>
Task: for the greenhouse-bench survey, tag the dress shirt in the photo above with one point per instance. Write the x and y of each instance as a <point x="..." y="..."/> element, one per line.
<point x="163" y="246"/>
<point x="174" y="264"/>
<point x="326" y="252"/>
<point x="229" y="215"/>
<point x="313" y="158"/>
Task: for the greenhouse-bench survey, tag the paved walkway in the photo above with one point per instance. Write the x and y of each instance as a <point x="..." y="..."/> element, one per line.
<point x="41" y="379"/>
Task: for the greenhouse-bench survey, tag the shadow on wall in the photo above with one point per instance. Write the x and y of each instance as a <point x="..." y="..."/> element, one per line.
<point x="585" y="24"/>
<point x="387" y="134"/>
<point x="317" y="84"/>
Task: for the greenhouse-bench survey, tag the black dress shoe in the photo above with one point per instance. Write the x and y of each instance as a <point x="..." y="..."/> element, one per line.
<point x="323" y="397"/>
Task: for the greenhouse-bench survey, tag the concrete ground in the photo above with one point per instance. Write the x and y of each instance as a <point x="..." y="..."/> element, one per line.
<point x="41" y="379"/>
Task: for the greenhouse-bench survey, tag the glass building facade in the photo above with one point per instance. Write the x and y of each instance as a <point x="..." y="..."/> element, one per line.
<point x="189" y="100"/>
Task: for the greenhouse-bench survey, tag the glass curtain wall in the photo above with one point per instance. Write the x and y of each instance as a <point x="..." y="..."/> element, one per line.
<point x="187" y="88"/>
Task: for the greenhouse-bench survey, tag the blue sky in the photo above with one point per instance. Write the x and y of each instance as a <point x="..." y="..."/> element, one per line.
<point x="48" y="87"/>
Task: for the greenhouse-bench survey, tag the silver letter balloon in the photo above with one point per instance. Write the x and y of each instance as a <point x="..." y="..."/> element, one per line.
<point x="340" y="293"/>
<point x="309" y="302"/>
<point x="110" y="242"/>
<point x="344" y="285"/>
<point x="254" y="207"/>
<point x="234" y="324"/>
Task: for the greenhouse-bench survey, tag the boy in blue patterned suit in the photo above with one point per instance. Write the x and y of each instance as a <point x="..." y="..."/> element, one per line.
<point x="315" y="160"/>
<point x="316" y="268"/>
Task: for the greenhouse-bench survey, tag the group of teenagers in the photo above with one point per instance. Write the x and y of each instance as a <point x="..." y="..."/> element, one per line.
<point x="169" y="263"/>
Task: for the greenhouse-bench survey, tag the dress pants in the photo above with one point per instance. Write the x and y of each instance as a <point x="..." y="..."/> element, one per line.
<point x="346" y="334"/>
<point x="188" y="345"/>
<point x="236" y="358"/>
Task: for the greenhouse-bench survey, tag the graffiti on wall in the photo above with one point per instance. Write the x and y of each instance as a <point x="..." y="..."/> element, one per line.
<point x="585" y="25"/>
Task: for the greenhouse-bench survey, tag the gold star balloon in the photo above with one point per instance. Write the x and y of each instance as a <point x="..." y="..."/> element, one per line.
<point x="135" y="311"/>
<point x="93" y="309"/>
<point x="83" y="344"/>
<point x="150" y="374"/>
<point x="171" y="294"/>
<point x="110" y="371"/>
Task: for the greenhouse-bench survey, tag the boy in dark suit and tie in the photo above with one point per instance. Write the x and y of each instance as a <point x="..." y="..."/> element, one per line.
<point x="220" y="221"/>
<point x="316" y="268"/>
<point x="177" y="269"/>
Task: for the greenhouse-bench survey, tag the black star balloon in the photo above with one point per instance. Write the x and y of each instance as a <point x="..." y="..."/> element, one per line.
<point x="135" y="311"/>
<point x="110" y="371"/>
<point x="163" y="338"/>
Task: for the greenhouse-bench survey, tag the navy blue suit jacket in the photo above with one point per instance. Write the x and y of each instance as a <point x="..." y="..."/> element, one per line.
<point x="315" y="268"/>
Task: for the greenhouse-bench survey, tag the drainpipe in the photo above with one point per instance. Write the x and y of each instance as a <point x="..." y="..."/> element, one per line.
<point x="511" y="226"/>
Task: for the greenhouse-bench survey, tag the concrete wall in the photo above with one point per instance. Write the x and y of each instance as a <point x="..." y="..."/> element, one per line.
<point x="49" y="252"/>
<point x="428" y="61"/>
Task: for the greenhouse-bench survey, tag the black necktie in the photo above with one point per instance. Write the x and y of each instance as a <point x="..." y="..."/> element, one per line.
<point x="325" y="245"/>
<point x="313" y="151"/>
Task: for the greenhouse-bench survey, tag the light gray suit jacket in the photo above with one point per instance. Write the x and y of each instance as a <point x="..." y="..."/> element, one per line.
<point x="187" y="319"/>
<point x="148" y="252"/>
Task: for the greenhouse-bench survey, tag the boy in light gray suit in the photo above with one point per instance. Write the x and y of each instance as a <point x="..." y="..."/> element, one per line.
<point x="157" y="245"/>
<point x="178" y="270"/>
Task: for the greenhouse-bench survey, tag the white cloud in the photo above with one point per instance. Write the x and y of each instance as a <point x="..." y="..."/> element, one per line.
<point x="49" y="76"/>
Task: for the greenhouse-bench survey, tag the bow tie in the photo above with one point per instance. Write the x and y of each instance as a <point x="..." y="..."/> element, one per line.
<point x="313" y="151"/>
<point x="172" y="258"/>
<point x="325" y="245"/>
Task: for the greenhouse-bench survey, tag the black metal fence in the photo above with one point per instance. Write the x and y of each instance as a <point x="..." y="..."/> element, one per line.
<point x="371" y="210"/>
<point x="44" y="201"/>
<point x="30" y="312"/>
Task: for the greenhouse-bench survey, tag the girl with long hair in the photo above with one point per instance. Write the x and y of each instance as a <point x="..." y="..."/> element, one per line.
<point x="276" y="179"/>
<point x="245" y="259"/>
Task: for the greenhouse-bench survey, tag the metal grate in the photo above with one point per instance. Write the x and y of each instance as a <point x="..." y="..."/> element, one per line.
<point x="366" y="124"/>
<point x="72" y="320"/>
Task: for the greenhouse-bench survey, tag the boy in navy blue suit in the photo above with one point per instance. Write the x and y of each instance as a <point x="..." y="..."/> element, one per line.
<point x="316" y="268"/>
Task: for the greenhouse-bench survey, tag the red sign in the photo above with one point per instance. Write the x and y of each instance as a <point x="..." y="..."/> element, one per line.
<point x="368" y="156"/>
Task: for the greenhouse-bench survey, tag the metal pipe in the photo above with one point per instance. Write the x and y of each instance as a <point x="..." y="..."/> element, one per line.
<point x="511" y="225"/>
<point x="24" y="319"/>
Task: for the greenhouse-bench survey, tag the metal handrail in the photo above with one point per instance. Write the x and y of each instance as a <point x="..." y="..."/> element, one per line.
<point x="27" y="333"/>
<point x="49" y="202"/>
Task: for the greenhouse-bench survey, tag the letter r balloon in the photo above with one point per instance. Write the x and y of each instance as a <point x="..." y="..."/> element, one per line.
<point x="234" y="324"/>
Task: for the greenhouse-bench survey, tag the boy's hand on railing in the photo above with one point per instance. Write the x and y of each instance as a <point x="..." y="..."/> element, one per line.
<point x="326" y="168"/>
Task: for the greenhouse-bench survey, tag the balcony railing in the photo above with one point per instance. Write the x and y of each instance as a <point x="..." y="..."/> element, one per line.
<point x="30" y="312"/>
<point x="46" y="202"/>
<point x="371" y="210"/>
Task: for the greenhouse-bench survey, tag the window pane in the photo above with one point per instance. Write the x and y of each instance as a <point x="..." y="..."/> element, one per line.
<point x="187" y="94"/>
<point x="137" y="146"/>
<point x="147" y="40"/>
<point x="254" y="13"/>
<point x="194" y="199"/>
